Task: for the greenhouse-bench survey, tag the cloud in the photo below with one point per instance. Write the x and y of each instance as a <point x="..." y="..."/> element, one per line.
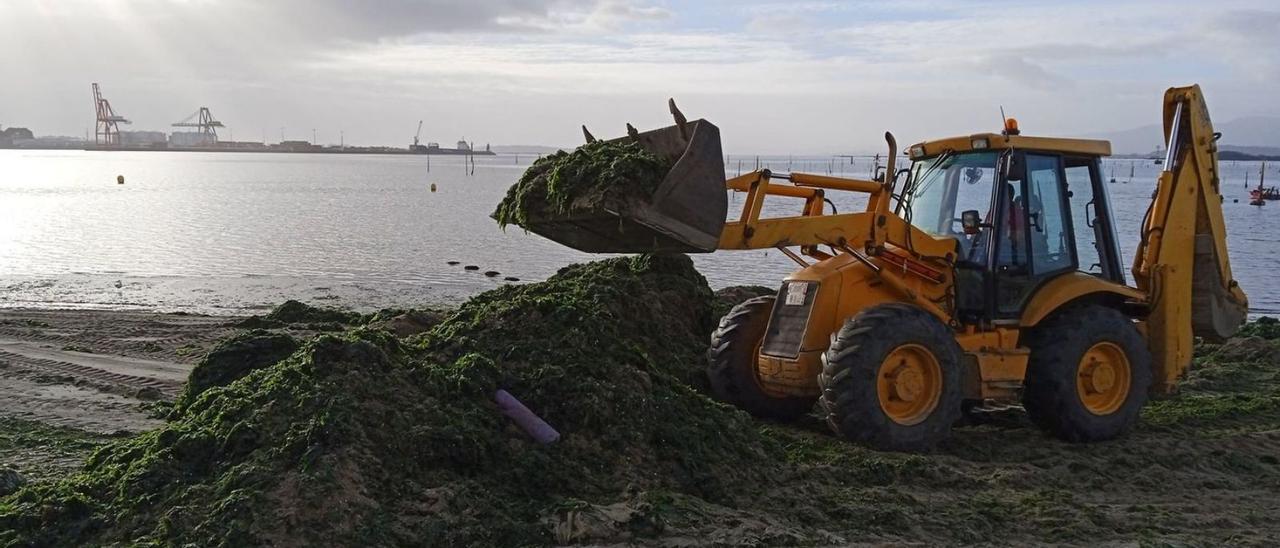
<point x="780" y="23"/>
<point x="1250" y="40"/>
<point x="1018" y="69"/>
<point x="612" y="12"/>
<point x="808" y="74"/>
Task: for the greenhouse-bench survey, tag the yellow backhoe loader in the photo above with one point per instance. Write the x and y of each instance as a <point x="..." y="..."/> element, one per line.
<point x="987" y="272"/>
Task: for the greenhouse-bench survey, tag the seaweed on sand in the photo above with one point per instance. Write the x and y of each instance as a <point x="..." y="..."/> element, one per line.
<point x="362" y="439"/>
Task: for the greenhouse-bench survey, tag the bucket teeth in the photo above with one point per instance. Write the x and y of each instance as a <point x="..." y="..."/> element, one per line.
<point x="679" y="117"/>
<point x="675" y="112"/>
<point x="587" y="135"/>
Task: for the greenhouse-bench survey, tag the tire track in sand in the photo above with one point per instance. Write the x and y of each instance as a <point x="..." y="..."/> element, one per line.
<point x="92" y="392"/>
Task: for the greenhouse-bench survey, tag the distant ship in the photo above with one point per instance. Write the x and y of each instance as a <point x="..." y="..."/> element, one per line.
<point x="462" y="148"/>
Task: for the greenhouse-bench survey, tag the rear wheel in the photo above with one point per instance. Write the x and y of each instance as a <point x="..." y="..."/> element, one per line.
<point x="731" y="363"/>
<point x="1088" y="374"/>
<point x="891" y="379"/>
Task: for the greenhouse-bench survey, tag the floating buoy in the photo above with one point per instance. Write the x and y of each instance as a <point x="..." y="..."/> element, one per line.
<point x="511" y="279"/>
<point x="119" y="179"/>
<point x="471" y="267"/>
<point x="453" y="263"/>
<point x="433" y="187"/>
<point x="492" y="273"/>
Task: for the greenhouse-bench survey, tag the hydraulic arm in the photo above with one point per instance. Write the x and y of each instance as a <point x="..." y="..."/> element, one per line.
<point x="1182" y="260"/>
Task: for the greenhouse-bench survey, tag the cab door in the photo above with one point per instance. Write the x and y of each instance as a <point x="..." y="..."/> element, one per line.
<point x="1097" y="246"/>
<point x="1034" y="240"/>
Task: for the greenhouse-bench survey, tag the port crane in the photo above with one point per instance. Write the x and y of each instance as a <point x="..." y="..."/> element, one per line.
<point x="204" y="123"/>
<point x="107" y="130"/>
<point x="416" y="135"/>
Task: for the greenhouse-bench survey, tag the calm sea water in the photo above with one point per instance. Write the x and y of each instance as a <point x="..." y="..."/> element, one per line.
<point x="225" y="233"/>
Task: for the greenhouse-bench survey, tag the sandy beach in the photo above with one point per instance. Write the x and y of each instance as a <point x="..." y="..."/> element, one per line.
<point x="95" y="370"/>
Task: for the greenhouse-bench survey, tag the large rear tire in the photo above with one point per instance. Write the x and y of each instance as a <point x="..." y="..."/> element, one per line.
<point x="891" y="379"/>
<point x="731" y="363"/>
<point x="1088" y="374"/>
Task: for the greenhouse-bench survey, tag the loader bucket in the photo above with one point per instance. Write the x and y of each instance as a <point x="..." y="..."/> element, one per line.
<point x="685" y="214"/>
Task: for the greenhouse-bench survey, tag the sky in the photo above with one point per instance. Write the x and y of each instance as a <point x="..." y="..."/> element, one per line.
<point x="777" y="77"/>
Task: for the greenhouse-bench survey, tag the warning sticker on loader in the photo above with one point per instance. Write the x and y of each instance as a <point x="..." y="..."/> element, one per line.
<point x="796" y="293"/>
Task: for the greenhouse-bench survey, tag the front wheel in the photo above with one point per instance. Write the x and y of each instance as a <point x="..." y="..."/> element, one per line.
<point x="891" y="379"/>
<point x="1088" y="374"/>
<point x="731" y="363"/>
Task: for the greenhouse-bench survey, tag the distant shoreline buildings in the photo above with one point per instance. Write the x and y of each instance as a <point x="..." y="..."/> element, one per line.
<point x="200" y="135"/>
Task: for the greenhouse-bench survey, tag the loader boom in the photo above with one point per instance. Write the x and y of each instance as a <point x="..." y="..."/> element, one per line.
<point x="1182" y="261"/>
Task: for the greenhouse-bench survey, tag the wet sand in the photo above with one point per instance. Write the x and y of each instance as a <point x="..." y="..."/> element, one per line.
<point x="96" y="370"/>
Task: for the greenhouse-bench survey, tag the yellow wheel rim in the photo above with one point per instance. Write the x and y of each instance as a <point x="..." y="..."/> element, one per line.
<point x="1103" y="378"/>
<point x="909" y="384"/>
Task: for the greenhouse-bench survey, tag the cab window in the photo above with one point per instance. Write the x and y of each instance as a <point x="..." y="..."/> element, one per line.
<point x="1096" y="251"/>
<point x="1048" y="226"/>
<point x="943" y="188"/>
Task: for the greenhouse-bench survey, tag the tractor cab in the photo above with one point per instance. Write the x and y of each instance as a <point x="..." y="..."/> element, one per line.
<point x="1022" y="210"/>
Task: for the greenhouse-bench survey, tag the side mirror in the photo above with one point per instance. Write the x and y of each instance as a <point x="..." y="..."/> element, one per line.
<point x="1017" y="167"/>
<point x="971" y="221"/>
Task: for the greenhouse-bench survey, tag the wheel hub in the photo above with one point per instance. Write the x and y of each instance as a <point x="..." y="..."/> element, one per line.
<point x="1103" y="378"/>
<point x="909" y="383"/>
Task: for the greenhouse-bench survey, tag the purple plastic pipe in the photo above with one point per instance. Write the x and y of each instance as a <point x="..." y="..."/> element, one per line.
<point x="524" y="418"/>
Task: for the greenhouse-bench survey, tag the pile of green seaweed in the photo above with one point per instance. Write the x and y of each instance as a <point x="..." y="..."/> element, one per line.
<point x="601" y="173"/>
<point x="361" y="438"/>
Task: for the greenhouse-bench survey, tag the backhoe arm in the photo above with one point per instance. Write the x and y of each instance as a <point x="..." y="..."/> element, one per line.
<point x="1182" y="261"/>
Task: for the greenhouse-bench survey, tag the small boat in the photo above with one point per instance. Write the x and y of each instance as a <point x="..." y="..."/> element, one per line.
<point x="1260" y="194"/>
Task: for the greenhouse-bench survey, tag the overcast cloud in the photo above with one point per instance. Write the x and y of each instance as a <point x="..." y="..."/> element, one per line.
<point x="776" y="76"/>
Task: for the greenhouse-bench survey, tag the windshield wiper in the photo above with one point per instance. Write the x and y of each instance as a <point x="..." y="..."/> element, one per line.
<point x="924" y="178"/>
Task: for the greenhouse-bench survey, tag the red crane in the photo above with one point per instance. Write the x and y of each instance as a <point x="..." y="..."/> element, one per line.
<point x="107" y="130"/>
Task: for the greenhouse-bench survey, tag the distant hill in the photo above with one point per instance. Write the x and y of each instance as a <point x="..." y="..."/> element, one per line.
<point x="1256" y="135"/>
<point x="1252" y="151"/>
<point x="1231" y="155"/>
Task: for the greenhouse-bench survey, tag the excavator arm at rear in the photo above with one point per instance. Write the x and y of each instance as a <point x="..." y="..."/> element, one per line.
<point x="1182" y="261"/>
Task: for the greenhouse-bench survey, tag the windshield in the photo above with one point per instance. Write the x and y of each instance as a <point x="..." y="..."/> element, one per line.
<point x="945" y="186"/>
